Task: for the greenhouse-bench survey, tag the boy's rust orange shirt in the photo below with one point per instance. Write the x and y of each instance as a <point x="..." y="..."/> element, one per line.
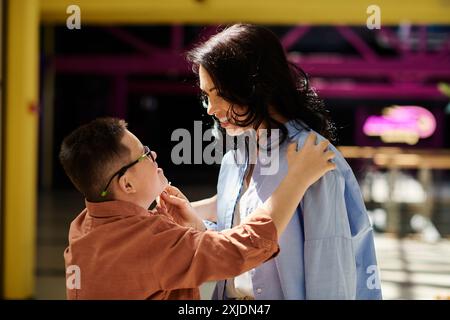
<point x="123" y="251"/>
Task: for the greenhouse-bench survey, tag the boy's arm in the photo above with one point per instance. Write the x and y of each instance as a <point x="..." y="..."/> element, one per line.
<point x="202" y="256"/>
<point x="206" y="209"/>
<point x="305" y="167"/>
<point x="187" y="257"/>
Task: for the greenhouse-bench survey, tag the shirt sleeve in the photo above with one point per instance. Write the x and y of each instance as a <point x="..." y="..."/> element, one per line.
<point x="330" y="270"/>
<point x="187" y="257"/>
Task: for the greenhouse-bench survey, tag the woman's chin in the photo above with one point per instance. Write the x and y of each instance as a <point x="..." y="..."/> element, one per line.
<point x="235" y="131"/>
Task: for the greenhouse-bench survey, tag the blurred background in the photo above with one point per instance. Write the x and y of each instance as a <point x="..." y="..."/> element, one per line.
<point x="388" y="90"/>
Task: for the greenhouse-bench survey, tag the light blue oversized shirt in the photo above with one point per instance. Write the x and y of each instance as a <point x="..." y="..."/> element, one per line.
<point x="327" y="250"/>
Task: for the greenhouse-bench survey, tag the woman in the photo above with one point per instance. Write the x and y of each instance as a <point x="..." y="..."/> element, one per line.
<point x="327" y="250"/>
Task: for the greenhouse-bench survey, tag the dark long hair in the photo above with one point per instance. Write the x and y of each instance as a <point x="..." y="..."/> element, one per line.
<point x="249" y="67"/>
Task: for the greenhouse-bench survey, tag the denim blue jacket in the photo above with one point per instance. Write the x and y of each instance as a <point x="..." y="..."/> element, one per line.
<point x="327" y="250"/>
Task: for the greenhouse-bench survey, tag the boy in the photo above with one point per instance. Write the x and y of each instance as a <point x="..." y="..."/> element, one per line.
<point x="118" y="249"/>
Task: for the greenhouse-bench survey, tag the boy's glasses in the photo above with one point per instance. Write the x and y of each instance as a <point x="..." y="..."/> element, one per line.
<point x="121" y="172"/>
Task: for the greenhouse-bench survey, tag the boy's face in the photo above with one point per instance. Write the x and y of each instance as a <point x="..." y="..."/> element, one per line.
<point x="142" y="182"/>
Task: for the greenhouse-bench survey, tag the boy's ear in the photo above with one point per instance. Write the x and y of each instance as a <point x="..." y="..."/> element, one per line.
<point x="126" y="185"/>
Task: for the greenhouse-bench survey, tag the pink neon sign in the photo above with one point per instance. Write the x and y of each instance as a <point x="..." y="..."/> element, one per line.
<point x="405" y="124"/>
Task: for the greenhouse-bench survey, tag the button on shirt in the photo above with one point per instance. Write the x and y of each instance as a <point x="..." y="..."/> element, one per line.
<point x="123" y="251"/>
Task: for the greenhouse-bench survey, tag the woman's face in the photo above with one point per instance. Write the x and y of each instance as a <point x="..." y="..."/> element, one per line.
<point x="218" y="106"/>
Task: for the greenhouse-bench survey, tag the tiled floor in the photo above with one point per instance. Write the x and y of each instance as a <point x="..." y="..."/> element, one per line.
<point x="410" y="269"/>
<point x="413" y="269"/>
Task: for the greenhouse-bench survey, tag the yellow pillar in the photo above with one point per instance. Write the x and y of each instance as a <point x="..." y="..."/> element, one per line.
<point x="20" y="148"/>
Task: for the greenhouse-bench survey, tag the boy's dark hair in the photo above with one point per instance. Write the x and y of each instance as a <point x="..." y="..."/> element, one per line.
<point x="89" y="153"/>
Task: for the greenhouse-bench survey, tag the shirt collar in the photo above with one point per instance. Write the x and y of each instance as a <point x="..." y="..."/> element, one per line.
<point x="113" y="208"/>
<point x="294" y="127"/>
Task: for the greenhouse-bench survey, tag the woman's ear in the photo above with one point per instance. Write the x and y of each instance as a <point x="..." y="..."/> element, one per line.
<point x="126" y="185"/>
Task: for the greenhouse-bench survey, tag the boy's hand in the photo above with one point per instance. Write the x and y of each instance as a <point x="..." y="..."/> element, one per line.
<point x="312" y="161"/>
<point x="175" y="204"/>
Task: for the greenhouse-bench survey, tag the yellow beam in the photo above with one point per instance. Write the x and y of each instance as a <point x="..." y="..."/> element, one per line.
<point x="21" y="148"/>
<point x="255" y="11"/>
